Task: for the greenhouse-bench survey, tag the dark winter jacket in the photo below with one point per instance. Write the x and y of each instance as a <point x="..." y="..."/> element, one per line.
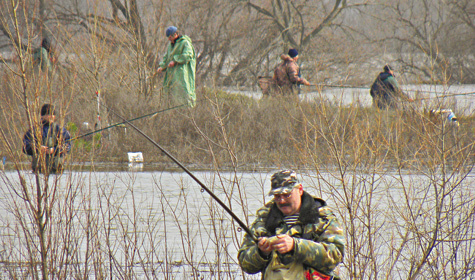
<point x="385" y="91"/>
<point x="52" y="136"/>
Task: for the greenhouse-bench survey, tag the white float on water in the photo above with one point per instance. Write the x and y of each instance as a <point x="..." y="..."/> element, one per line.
<point x="135" y="160"/>
<point x="135" y="156"/>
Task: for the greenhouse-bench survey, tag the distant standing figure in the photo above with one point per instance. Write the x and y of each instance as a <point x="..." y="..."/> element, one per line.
<point x="385" y="90"/>
<point x="179" y="64"/>
<point x="43" y="57"/>
<point x="287" y="73"/>
<point x="47" y="144"/>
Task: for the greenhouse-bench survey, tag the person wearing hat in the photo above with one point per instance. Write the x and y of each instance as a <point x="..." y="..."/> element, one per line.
<point x="298" y="235"/>
<point x="48" y="145"/>
<point x="385" y="90"/>
<point x="287" y="73"/>
<point x="179" y="64"/>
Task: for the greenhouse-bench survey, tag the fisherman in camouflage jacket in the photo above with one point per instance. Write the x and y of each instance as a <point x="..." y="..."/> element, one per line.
<point x="299" y="237"/>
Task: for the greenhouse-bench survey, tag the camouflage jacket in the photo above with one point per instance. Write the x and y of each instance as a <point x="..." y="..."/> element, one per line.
<point x="286" y="74"/>
<point x="318" y="236"/>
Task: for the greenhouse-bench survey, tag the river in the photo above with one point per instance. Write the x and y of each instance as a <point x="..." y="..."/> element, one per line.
<point x="458" y="98"/>
<point x="160" y="225"/>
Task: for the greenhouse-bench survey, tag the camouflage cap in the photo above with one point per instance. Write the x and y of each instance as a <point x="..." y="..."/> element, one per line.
<point x="283" y="182"/>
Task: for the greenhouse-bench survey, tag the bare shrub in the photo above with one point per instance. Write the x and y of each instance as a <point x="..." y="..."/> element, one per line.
<point x="400" y="180"/>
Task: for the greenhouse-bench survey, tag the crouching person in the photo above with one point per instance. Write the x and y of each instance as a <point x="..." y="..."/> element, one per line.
<point x="299" y="237"/>
<point x="47" y="144"/>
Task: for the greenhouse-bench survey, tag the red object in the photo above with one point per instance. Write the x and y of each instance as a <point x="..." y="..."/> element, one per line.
<point x="312" y="274"/>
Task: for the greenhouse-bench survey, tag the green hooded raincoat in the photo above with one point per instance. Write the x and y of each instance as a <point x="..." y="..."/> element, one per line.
<point x="42" y="59"/>
<point x="180" y="80"/>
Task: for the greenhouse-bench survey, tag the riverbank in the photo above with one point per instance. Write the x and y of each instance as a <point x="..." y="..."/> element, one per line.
<point x="228" y="131"/>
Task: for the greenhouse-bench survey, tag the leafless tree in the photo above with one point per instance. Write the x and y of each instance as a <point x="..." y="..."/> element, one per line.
<point x="425" y="35"/>
<point x="281" y="24"/>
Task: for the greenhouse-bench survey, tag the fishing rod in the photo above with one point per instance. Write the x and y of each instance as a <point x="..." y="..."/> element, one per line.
<point x="131" y="120"/>
<point x="203" y="186"/>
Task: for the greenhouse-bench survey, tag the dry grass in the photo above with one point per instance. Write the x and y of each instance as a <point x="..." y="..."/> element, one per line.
<point x="399" y="180"/>
<point x="271" y="132"/>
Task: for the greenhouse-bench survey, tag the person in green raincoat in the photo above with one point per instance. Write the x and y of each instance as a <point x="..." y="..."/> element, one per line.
<point x="179" y="64"/>
<point x="43" y="57"/>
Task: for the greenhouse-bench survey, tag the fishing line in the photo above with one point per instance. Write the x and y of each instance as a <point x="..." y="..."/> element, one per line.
<point x="131" y="120"/>
<point x="203" y="186"/>
<point x="409" y="90"/>
<point x="445" y="95"/>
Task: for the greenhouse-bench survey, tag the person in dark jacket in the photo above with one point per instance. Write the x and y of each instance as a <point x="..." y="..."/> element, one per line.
<point x="385" y="90"/>
<point x="299" y="236"/>
<point x="287" y="73"/>
<point x="47" y="144"/>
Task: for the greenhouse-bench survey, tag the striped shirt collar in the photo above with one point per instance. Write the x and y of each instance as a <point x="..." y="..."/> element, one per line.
<point x="291" y="219"/>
